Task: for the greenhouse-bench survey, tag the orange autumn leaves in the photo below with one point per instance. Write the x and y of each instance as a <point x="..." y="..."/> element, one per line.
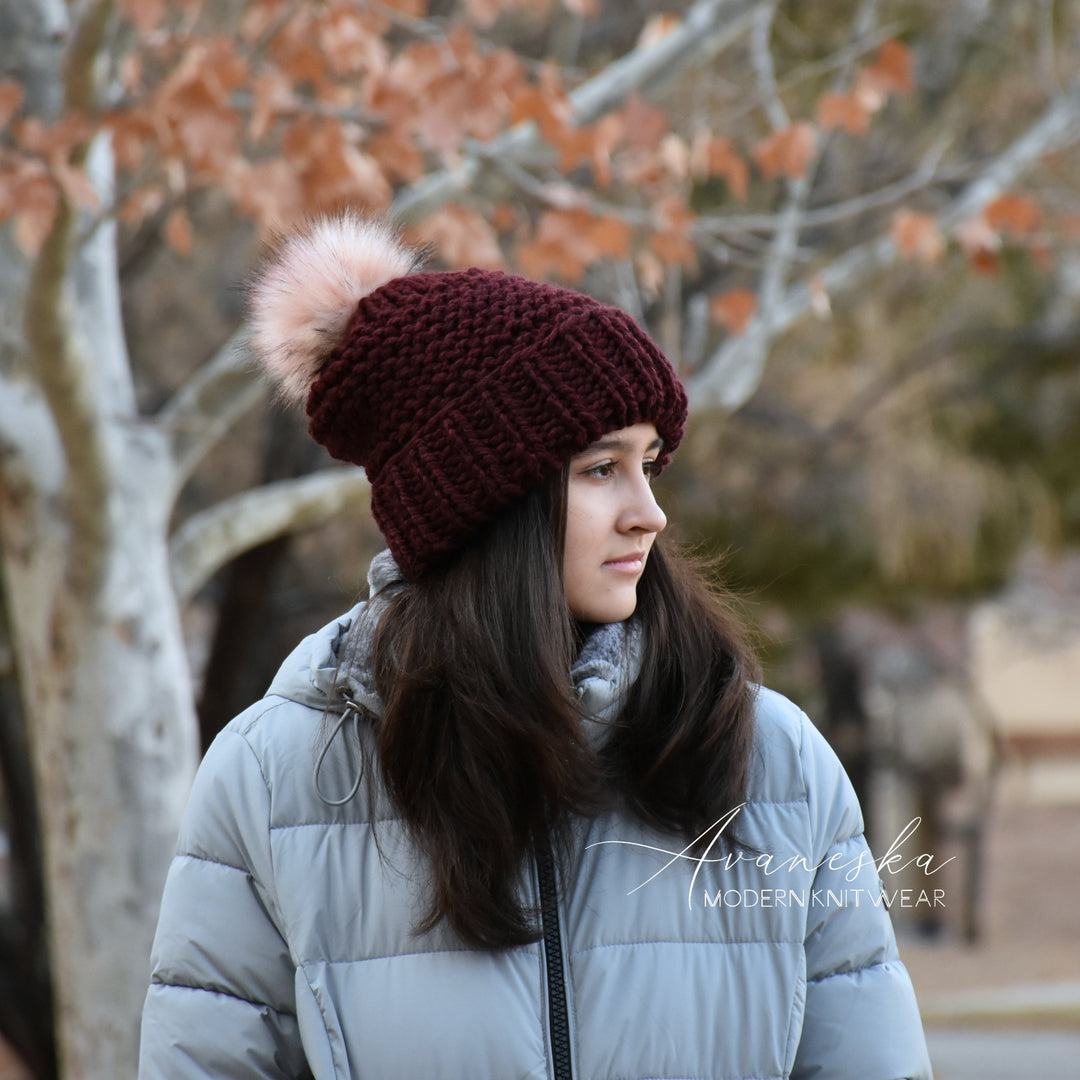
<point x="1009" y="219"/>
<point x="300" y="107"/>
<point x="318" y="104"/>
<point x="322" y="104"/>
<point x="887" y="74"/>
<point x="297" y="107"/>
<point x="789" y="152"/>
<point x="44" y="169"/>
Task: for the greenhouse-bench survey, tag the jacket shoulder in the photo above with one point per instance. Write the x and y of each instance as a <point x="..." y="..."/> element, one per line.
<point x="228" y="808"/>
<point x="307" y="757"/>
<point x="276" y="730"/>
<point x="796" y="775"/>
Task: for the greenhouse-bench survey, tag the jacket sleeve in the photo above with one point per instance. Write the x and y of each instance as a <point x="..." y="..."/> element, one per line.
<point x="221" y="1001"/>
<point x="861" y="1021"/>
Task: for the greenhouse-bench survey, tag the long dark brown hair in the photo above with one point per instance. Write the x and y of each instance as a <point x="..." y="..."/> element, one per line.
<point x="481" y="744"/>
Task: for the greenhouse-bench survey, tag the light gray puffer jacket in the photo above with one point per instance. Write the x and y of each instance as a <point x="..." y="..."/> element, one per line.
<point x="285" y="946"/>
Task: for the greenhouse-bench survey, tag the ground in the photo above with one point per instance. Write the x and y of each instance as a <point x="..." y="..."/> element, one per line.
<point x="1009" y="1005"/>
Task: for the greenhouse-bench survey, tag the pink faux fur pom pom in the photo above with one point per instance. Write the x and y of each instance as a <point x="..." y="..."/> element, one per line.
<point x="305" y="295"/>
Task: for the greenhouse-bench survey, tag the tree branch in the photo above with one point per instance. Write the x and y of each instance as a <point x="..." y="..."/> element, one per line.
<point x="792" y="219"/>
<point x="207" y="405"/>
<point x="730" y="226"/>
<point x="715" y="225"/>
<point x="705" y="28"/>
<point x="786" y="238"/>
<point x="49" y="324"/>
<point x="80" y="78"/>
<point x="763" y="66"/>
<point x="61" y="374"/>
<point x="209" y="539"/>
<point x="708" y="26"/>
<point x="1055" y="129"/>
<point x="731" y="376"/>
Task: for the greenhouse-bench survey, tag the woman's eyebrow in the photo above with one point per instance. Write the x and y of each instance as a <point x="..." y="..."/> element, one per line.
<point x="615" y="443"/>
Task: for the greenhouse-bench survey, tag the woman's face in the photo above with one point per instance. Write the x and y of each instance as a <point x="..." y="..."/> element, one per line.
<point x="611" y="522"/>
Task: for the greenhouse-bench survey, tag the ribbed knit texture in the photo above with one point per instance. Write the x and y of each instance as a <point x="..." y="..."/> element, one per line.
<point x="460" y="391"/>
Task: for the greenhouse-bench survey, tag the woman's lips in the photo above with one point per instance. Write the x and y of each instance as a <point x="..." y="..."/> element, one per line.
<point x="628" y="564"/>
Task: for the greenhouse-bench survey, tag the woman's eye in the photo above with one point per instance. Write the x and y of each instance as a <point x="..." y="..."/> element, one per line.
<point x="650" y="468"/>
<point x="601" y="471"/>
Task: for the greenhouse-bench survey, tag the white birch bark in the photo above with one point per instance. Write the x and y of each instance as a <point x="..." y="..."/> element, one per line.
<point x="85" y="492"/>
<point x="111" y="722"/>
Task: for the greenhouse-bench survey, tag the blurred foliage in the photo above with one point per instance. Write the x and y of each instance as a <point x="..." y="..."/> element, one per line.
<point x="872" y="472"/>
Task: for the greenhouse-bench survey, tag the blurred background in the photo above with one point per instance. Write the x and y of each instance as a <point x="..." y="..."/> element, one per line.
<point x="853" y="225"/>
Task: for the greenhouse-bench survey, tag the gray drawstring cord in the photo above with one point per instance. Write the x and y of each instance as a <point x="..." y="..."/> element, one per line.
<point x="351" y="708"/>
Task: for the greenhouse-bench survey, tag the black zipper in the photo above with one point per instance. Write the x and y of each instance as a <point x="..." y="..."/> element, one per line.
<point x="558" y="1014"/>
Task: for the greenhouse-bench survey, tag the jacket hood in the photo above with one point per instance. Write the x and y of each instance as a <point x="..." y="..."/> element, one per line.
<point x="336" y="660"/>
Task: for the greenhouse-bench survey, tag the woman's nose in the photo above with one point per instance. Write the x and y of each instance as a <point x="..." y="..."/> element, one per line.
<point x="643" y="512"/>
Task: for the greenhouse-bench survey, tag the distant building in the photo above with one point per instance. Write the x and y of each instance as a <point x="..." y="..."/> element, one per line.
<point x="1025" y="666"/>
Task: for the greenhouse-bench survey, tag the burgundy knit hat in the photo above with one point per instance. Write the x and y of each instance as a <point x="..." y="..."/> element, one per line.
<point x="459" y="391"/>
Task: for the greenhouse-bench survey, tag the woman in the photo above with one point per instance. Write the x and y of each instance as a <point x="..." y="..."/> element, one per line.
<point x="525" y="812"/>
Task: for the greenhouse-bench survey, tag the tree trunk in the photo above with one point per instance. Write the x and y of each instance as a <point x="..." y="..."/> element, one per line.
<point x="26" y="1019"/>
<point x="85" y="496"/>
<point x="112" y="730"/>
